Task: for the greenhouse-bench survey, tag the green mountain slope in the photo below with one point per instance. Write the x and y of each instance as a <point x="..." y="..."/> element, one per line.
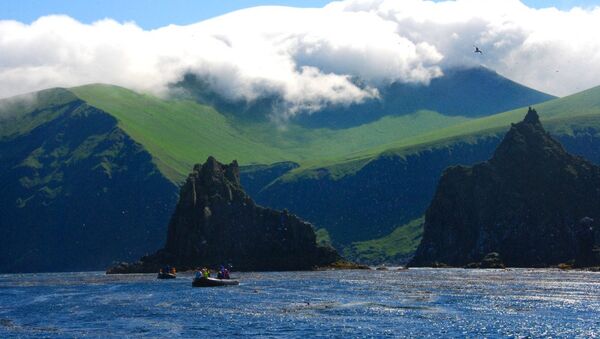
<point x="178" y="133"/>
<point x="77" y="192"/>
<point x="562" y="116"/>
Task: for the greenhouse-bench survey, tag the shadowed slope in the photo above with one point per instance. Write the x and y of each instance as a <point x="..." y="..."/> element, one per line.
<point x="76" y="191"/>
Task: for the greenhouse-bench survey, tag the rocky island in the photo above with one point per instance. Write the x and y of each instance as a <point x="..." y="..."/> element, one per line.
<point x="531" y="205"/>
<point x="215" y="222"/>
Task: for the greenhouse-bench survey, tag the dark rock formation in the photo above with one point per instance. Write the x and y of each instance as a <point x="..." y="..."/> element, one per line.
<point x="216" y="222"/>
<point x="533" y="203"/>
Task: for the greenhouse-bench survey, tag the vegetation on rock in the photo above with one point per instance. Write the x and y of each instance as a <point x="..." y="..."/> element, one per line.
<point x="396" y="248"/>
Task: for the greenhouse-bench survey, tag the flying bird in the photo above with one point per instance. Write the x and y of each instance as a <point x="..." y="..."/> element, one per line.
<point x="477" y="50"/>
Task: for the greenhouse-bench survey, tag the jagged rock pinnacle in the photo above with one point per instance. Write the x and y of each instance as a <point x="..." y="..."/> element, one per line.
<point x="525" y="204"/>
<point x="531" y="117"/>
<point x="215" y="222"/>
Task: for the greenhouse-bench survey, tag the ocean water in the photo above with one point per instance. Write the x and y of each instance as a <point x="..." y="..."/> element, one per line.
<point x="409" y="303"/>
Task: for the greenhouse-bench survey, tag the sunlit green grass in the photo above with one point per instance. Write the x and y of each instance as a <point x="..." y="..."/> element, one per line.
<point x="560" y="116"/>
<point x="179" y="133"/>
<point x="403" y="241"/>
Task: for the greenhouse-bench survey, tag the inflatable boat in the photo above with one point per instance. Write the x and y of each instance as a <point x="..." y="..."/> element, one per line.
<point x="212" y="282"/>
<point x="166" y="276"/>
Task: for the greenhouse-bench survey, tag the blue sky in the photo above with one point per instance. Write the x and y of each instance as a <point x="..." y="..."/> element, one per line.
<point x="148" y="14"/>
<point x="152" y="14"/>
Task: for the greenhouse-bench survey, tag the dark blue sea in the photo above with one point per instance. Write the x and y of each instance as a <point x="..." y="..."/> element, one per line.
<point x="345" y="304"/>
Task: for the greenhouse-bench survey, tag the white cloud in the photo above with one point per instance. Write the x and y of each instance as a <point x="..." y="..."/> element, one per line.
<point x="550" y="50"/>
<point x="13" y="106"/>
<point x="310" y="56"/>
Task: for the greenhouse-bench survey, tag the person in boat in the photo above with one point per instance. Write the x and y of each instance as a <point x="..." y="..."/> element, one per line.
<point x="223" y="273"/>
<point x="198" y="273"/>
<point x="206" y="272"/>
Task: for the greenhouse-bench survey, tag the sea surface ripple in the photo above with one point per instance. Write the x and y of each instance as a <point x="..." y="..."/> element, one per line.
<point x="407" y="303"/>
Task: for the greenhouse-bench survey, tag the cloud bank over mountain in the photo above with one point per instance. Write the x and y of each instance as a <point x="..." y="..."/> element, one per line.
<point x="339" y="54"/>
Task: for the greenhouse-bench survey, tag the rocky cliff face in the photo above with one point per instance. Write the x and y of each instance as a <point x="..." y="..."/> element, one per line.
<point x="533" y="203"/>
<point x="216" y="222"/>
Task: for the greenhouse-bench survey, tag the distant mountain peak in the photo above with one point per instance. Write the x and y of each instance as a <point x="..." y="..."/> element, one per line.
<point x="468" y="92"/>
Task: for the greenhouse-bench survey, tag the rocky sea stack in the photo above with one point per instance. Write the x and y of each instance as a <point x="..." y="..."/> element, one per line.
<point x="532" y="205"/>
<point x="216" y="222"/>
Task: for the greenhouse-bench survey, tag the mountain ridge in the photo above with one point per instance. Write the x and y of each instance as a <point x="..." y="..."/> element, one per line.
<point x="469" y="92"/>
<point x="560" y="114"/>
<point x="75" y="189"/>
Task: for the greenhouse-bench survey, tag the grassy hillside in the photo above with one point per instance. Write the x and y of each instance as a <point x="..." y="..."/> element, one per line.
<point x="555" y="113"/>
<point x="560" y="116"/>
<point x="77" y="192"/>
<point x="179" y="133"/>
<point x="396" y="247"/>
